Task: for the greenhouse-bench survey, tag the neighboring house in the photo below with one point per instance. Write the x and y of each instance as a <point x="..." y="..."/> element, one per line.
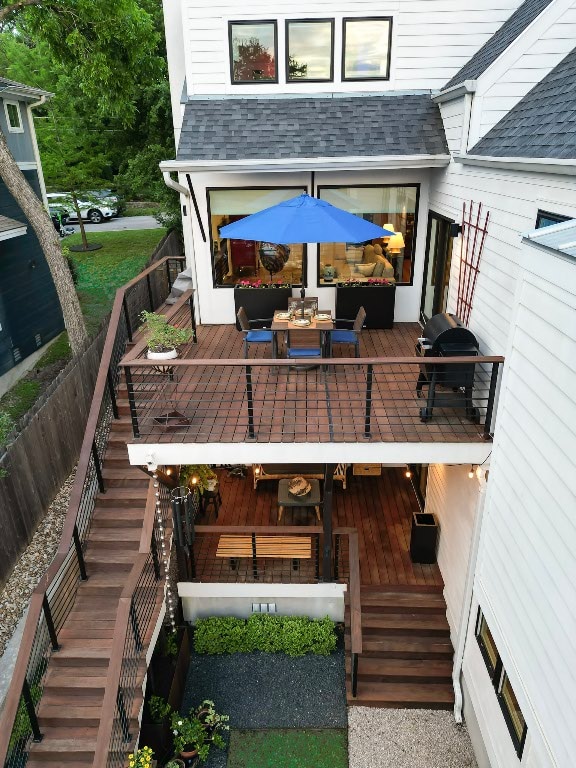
<point x="403" y="113"/>
<point x="30" y="313"/>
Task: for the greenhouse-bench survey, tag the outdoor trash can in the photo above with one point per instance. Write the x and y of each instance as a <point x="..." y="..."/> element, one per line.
<point x="423" y="538"/>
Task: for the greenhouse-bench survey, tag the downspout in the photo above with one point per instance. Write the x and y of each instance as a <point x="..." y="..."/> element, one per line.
<point x="465" y="616"/>
<point x="41" y="101"/>
<point x="169" y="181"/>
<point x="468" y="100"/>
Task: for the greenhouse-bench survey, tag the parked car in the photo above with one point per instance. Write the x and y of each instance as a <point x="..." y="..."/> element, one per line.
<point x="94" y="212"/>
<point x="111" y="199"/>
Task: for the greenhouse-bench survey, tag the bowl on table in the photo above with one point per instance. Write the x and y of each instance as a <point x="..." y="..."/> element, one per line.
<point x="299" y="486"/>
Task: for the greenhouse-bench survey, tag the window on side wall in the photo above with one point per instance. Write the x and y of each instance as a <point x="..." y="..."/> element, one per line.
<point x="513" y="716"/>
<point x="366" y="47"/>
<point x="309" y="50"/>
<point x="547" y="219"/>
<point x="394" y="208"/>
<point x="235" y="261"/>
<point x="253" y="51"/>
<point x="13" y="117"/>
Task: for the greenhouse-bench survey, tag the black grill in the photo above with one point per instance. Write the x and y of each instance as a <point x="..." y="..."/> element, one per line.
<point x="445" y="335"/>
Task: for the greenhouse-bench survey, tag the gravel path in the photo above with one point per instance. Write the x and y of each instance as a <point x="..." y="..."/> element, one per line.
<point x="407" y="738"/>
<point x="34" y="561"/>
<point x="267" y="690"/>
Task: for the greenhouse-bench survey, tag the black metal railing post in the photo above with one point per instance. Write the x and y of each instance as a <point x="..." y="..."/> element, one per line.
<point x="368" y="411"/>
<point x="98" y="467"/>
<point x="193" y="320"/>
<point x="31" y="710"/>
<point x="132" y="402"/>
<point x="168" y="275"/>
<point x="112" y="393"/>
<point x="354" y="674"/>
<point x="79" y="553"/>
<point x="127" y="317"/>
<point x="135" y="627"/>
<point x="336" y="556"/>
<point x="250" y="396"/>
<point x="123" y="715"/>
<point x="50" y="623"/>
<point x="254" y="556"/>
<point x="149" y="288"/>
<point x="491" y="398"/>
<point x="155" y="558"/>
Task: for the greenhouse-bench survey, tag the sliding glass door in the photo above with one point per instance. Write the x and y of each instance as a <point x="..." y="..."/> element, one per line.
<point x="436" y="266"/>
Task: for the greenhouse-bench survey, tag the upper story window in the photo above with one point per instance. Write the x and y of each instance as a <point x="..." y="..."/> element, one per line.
<point x="309" y="50"/>
<point x="13" y="117"/>
<point x="253" y="51"/>
<point x="366" y="48"/>
<point x="547" y="219"/>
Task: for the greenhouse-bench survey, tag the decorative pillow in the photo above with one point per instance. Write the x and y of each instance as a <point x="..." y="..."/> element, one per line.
<point x="369" y="253"/>
<point x="378" y="249"/>
<point x="378" y="269"/>
<point x="365" y="269"/>
<point x="353" y="255"/>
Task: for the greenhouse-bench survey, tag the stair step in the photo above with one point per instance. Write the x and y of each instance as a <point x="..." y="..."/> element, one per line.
<point x="435" y="625"/>
<point x="401" y="695"/>
<point x="403" y="670"/>
<point x="118" y="517"/>
<point x="115" y="538"/>
<point x="116" y="457"/>
<point x="118" y="557"/>
<point x="75" y="715"/>
<point x="65" y="745"/>
<point x="83" y="631"/>
<point x="399" y="602"/>
<point x="63" y="680"/>
<point x="405" y="647"/>
<point x="97" y="658"/>
<point x="122" y="497"/>
<point x="374" y="589"/>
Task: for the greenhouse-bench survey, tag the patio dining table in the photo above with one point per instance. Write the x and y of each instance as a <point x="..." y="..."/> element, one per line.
<point x="323" y="327"/>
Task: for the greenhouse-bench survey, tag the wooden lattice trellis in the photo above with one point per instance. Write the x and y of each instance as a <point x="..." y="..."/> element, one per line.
<point x="474" y="231"/>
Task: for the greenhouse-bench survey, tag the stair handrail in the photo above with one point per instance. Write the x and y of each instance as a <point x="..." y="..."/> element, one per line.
<point x="121" y="626"/>
<point x="69" y="539"/>
<point x="355" y="605"/>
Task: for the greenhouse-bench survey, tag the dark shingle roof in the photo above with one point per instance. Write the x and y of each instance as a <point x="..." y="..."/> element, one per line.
<point x="8" y="86"/>
<point x="543" y="124"/>
<point x="7" y="225"/>
<point x="500" y="40"/>
<point x="278" y="128"/>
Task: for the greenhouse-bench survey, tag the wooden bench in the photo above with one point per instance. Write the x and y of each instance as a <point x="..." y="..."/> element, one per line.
<point x="293" y="548"/>
<point x="286" y="471"/>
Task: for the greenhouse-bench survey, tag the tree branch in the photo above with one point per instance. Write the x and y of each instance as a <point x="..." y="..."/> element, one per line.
<point x="18" y="6"/>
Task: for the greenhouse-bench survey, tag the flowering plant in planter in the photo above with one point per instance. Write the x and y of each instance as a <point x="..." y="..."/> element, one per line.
<point x="142" y="758"/>
<point x="190" y="736"/>
<point x="213" y="721"/>
<point x="373" y="282"/>
<point x="262" y="284"/>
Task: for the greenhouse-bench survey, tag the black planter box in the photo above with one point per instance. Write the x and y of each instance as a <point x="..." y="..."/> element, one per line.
<point x="261" y="303"/>
<point x="423" y="538"/>
<point x="377" y="301"/>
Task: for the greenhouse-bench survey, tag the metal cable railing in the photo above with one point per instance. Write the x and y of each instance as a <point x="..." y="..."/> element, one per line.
<point x="54" y="597"/>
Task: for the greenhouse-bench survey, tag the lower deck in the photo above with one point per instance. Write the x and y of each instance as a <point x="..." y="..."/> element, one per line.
<point x="379" y="508"/>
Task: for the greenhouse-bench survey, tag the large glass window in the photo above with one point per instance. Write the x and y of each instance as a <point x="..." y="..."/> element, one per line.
<point x="366" y="48"/>
<point x="546" y="219"/>
<point x="236" y="260"/>
<point x="309" y="50"/>
<point x="13" y="117"/>
<point x="253" y="51"/>
<point x="393" y="208"/>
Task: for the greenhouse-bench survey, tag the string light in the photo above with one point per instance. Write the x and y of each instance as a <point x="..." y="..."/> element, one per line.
<point x="471" y="471"/>
<point x="408" y="472"/>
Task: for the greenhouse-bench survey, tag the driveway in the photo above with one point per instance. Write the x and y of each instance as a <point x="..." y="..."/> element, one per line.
<point x="121" y="223"/>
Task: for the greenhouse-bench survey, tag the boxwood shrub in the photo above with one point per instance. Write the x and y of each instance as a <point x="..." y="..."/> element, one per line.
<point x="293" y="635"/>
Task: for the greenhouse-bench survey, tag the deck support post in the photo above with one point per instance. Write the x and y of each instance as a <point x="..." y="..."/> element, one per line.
<point x="327" y="521"/>
<point x="193" y="320"/>
<point x="368" y="412"/>
<point x="31" y="711"/>
<point x="491" y="398"/>
<point x="250" y="396"/>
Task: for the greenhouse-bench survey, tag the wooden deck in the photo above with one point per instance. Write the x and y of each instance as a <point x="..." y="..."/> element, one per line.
<point x="209" y="403"/>
<point x="380" y="508"/>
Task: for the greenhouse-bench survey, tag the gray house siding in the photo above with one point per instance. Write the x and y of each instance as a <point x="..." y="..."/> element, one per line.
<point x="20" y="144"/>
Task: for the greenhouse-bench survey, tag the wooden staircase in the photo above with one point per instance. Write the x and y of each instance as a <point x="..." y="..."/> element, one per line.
<point x="406" y="660"/>
<point x="71" y="704"/>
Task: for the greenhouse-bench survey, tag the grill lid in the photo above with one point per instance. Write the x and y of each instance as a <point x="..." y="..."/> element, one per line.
<point x="446" y="328"/>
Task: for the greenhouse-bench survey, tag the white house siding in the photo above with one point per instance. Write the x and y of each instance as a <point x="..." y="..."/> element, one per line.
<point x="453" y="113"/>
<point x="432" y="39"/>
<point x="452" y="496"/>
<point x="509" y="83"/>
<point x="513" y="199"/>
<point x="216" y="305"/>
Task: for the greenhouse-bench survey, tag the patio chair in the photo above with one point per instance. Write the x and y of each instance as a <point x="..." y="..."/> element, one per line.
<point x="308" y="352"/>
<point x="350" y="335"/>
<point x="260" y="336"/>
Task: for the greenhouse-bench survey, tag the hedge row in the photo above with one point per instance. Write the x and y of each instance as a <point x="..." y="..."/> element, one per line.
<point x="293" y="635"/>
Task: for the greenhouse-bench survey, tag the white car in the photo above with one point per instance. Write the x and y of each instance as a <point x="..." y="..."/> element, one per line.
<point x="95" y="212"/>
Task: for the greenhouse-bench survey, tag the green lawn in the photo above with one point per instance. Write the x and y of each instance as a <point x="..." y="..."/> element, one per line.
<point x="100" y="273"/>
<point x="285" y="748"/>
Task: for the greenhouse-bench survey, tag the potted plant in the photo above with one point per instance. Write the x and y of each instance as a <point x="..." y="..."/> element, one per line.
<point x="261" y="299"/>
<point x="376" y="294"/>
<point x="213" y="721"/>
<point x="142" y="758"/>
<point x="200" y="476"/>
<point x="190" y="737"/>
<point x="175" y="763"/>
<point x="163" y="339"/>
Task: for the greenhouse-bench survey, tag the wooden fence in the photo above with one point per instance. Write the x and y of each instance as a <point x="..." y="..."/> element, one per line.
<point x="43" y="453"/>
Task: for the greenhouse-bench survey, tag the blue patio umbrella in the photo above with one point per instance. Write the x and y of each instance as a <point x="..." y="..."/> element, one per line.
<point x="304" y="219"/>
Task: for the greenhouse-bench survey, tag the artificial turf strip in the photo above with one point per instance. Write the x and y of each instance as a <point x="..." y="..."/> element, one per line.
<point x="122" y="256"/>
<point x="286" y="748"/>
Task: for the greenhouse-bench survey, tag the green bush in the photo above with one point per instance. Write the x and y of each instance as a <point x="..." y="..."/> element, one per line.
<point x="293" y="635"/>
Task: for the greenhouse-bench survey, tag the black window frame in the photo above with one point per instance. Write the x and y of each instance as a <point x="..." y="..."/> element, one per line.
<point x="556" y="218"/>
<point x="331" y="21"/>
<point x="297" y="189"/>
<point x="252" y="22"/>
<point x="374" y="186"/>
<point x="498" y="676"/>
<point x="346" y="19"/>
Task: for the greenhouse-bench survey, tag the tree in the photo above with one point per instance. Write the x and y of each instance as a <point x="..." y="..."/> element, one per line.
<point x="253" y="61"/>
<point x="106" y="46"/>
